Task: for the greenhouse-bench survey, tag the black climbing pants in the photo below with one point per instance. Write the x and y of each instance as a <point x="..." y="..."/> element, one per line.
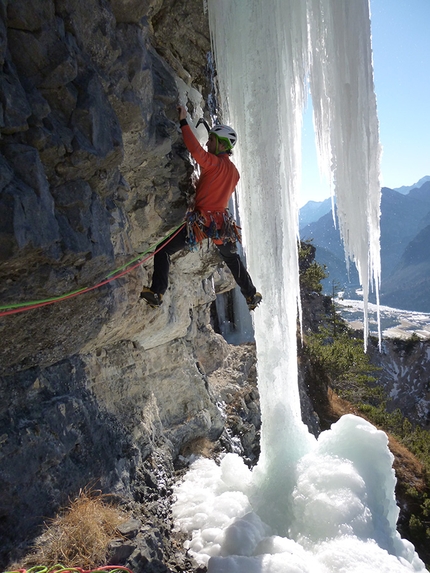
<point x="160" y="277"/>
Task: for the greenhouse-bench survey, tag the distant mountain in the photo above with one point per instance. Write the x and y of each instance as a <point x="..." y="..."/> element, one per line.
<point x="409" y="285"/>
<point x="313" y="210"/>
<point x="404" y="190"/>
<point x="402" y="217"/>
<point x="405" y="256"/>
<point x="330" y="252"/>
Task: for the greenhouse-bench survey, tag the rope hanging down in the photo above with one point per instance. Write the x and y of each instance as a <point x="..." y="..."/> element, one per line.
<point x="116" y="274"/>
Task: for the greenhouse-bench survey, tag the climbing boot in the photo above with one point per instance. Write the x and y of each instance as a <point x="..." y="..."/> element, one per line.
<point x="254" y="300"/>
<point x="152" y="298"/>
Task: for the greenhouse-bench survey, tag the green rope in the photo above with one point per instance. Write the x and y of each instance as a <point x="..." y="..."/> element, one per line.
<point x="20" y="304"/>
<point x="74" y="292"/>
<point x="151" y="248"/>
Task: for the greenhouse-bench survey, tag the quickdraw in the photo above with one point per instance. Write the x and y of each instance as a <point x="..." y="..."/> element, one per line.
<point x="230" y="231"/>
<point x="195" y="225"/>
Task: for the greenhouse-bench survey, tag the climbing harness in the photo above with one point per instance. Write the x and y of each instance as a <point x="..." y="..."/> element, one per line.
<point x="222" y="228"/>
<point x="114" y="275"/>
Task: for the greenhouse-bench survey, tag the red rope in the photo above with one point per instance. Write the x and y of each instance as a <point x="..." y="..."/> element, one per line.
<point x="88" y="289"/>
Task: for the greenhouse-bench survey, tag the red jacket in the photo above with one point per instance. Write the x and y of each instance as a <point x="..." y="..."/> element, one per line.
<point x="217" y="180"/>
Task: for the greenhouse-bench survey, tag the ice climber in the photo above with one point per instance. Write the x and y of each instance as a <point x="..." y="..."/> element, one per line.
<point x="208" y="216"/>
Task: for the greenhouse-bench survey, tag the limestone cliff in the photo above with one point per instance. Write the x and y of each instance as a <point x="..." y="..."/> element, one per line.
<point x="93" y="172"/>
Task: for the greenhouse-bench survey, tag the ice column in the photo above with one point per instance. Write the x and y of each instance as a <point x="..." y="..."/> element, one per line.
<point x="262" y="58"/>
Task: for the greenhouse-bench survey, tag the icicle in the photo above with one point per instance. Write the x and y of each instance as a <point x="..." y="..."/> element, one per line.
<point x="347" y="129"/>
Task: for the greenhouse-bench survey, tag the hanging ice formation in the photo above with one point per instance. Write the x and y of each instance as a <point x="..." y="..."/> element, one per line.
<point x="326" y="505"/>
<point x="345" y="118"/>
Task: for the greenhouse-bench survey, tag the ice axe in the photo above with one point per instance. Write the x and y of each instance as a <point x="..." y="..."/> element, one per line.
<point x="205" y="123"/>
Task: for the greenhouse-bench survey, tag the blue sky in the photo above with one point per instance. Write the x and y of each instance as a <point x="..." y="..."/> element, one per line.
<point x="401" y="59"/>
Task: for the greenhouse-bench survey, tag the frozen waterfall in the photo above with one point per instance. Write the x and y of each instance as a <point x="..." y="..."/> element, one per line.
<point x="309" y="505"/>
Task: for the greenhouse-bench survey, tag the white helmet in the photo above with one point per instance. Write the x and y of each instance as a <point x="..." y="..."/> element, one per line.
<point x="225" y="134"/>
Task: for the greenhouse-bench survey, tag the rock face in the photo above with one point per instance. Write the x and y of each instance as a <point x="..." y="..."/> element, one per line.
<point x="93" y="172"/>
<point x="404" y="375"/>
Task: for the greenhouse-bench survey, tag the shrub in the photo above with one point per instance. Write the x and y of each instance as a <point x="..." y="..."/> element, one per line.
<point x="344" y="361"/>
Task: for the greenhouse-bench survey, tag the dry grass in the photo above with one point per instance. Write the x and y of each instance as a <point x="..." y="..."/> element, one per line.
<point x="338" y="406"/>
<point x="79" y="536"/>
<point x="408" y="467"/>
